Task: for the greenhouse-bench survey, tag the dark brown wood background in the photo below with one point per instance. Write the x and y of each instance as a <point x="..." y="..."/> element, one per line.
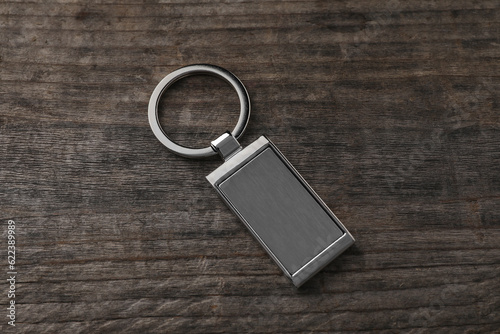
<point x="390" y="109"/>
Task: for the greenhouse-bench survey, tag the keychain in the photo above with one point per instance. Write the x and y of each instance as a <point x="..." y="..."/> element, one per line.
<point x="263" y="189"/>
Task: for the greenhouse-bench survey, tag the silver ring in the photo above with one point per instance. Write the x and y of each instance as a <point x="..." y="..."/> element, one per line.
<point x="183" y="72"/>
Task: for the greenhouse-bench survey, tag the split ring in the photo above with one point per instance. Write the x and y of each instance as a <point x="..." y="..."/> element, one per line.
<point x="183" y="72"/>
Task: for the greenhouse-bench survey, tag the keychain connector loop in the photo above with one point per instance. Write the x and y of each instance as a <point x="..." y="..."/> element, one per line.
<point x="226" y="145"/>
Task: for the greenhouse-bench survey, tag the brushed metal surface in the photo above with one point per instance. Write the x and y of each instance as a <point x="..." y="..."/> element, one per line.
<point x="290" y="221"/>
<point x="286" y="216"/>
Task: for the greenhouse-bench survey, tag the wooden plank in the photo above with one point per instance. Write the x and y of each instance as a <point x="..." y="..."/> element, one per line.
<point x="389" y="110"/>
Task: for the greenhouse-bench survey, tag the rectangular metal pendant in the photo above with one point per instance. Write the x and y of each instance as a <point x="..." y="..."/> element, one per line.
<point x="277" y="205"/>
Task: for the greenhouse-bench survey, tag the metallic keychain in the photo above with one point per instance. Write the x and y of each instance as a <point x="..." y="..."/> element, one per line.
<point x="263" y="189"/>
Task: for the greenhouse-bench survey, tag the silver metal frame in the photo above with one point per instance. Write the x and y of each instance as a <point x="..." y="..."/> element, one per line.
<point x="326" y="255"/>
<point x="183" y="72"/>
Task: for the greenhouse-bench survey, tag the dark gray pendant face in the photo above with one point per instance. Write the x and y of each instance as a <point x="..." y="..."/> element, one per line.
<point x="281" y="210"/>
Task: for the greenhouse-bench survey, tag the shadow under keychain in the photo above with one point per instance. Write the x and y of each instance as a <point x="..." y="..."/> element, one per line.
<point x="263" y="189"/>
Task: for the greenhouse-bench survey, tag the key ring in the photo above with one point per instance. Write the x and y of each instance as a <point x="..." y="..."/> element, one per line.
<point x="186" y="71"/>
<point x="264" y="190"/>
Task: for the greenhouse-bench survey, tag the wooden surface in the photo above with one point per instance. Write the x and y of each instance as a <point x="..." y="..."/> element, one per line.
<point x="390" y="109"/>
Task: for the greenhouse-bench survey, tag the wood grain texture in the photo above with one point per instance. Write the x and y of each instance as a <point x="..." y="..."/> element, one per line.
<point x="390" y="110"/>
